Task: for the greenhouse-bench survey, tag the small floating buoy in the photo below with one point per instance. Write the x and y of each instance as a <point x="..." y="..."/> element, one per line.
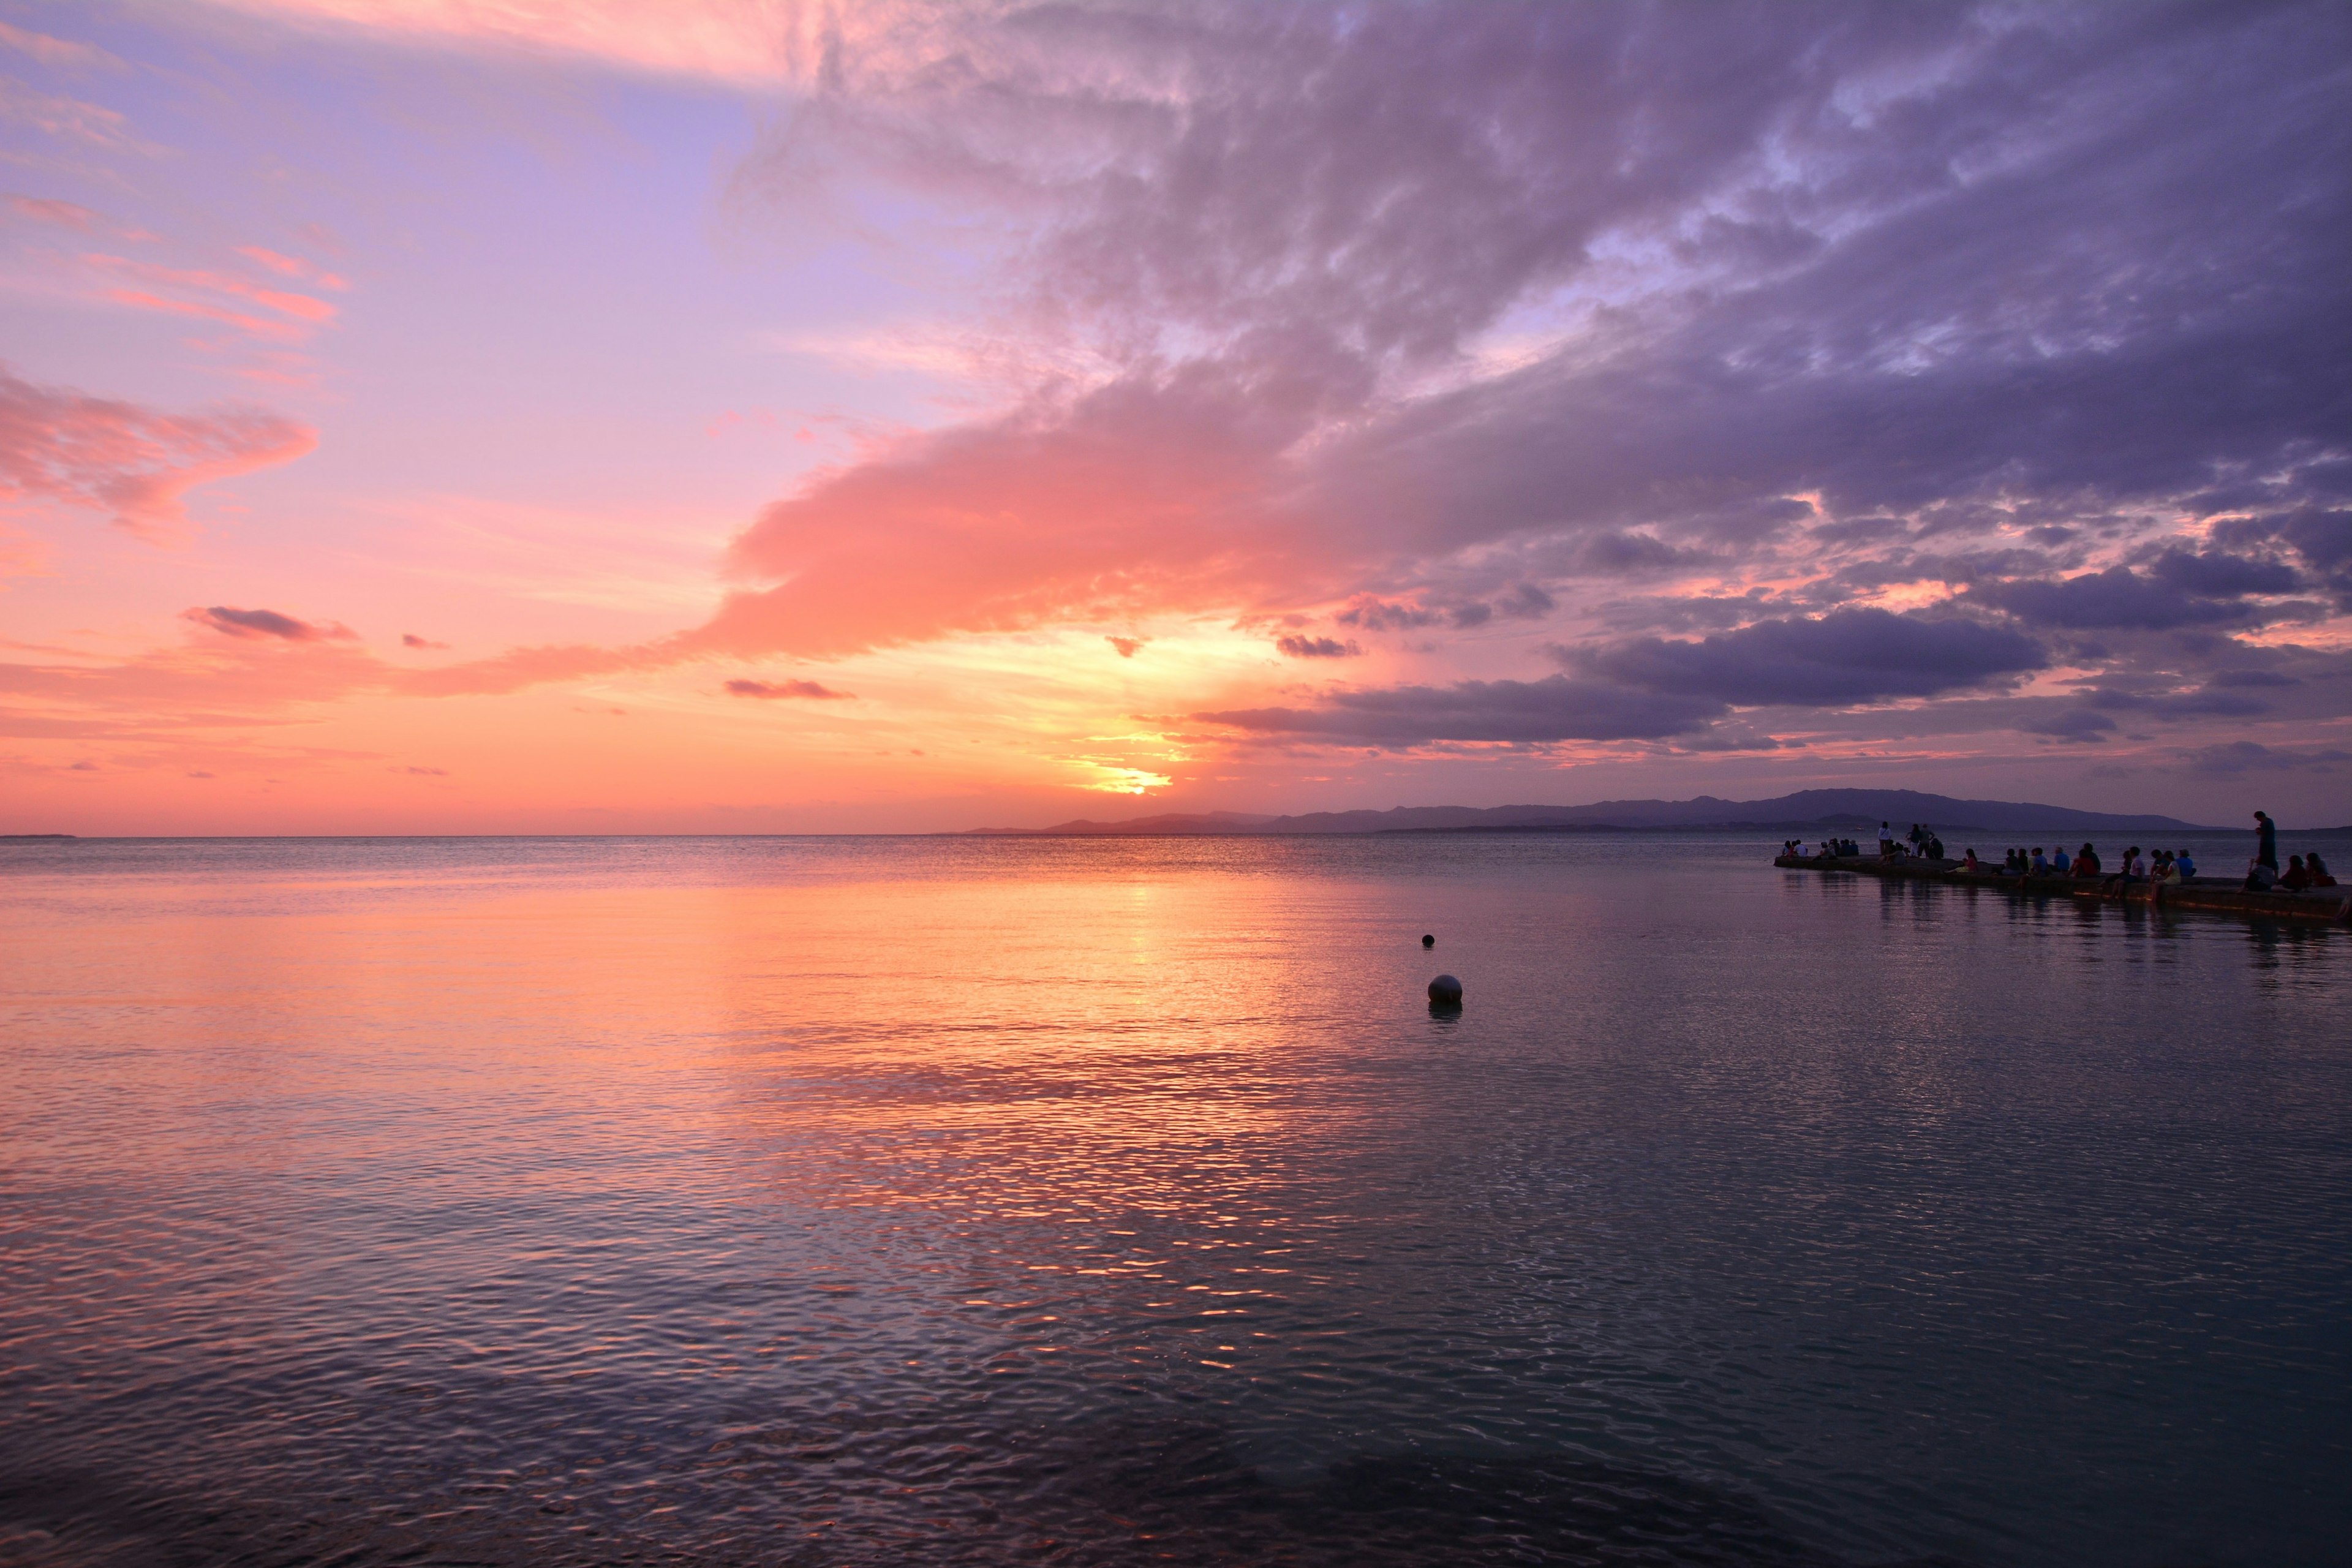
<point x="1445" y="990"/>
<point x="1429" y="941"/>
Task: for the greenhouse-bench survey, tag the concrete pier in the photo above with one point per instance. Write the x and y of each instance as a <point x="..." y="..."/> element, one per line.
<point x="2204" y="895"/>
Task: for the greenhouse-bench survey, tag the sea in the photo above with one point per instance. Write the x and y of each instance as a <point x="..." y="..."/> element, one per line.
<point x="977" y="1201"/>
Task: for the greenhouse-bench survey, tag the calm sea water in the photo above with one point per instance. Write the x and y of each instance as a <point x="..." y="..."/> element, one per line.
<point x="915" y="1201"/>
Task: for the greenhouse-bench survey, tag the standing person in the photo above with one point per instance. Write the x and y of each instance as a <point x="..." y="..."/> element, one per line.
<point x="2266" y="842"/>
<point x="1885" y="840"/>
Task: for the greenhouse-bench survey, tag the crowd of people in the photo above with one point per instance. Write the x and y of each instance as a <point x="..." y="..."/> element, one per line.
<point x="2164" y="867"/>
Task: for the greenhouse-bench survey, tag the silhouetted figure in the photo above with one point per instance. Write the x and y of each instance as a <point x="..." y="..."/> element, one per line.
<point x="2266" y="841"/>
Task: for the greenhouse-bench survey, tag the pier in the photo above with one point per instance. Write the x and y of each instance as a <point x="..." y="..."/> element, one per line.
<point x="2220" y="896"/>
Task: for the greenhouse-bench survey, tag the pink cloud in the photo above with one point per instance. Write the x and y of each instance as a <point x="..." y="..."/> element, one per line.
<point x="1140" y="496"/>
<point x="44" y="209"/>
<point x="714" y="38"/>
<point x="139" y="300"/>
<point x="133" y="462"/>
<point x="290" y="267"/>
<point x="69" y="117"/>
<point x="57" y="53"/>
<point x="301" y="306"/>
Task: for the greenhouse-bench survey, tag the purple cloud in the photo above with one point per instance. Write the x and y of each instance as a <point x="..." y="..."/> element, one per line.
<point x="1531" y="711"/>
<point x="1316" y="647"/>
<point x="1849" y="655"/>
<point x="266" y="624"/>
<point x="806" y="689"/>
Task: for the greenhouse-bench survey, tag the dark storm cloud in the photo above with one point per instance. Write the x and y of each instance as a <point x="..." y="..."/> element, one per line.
<point x="1847" y="656"/>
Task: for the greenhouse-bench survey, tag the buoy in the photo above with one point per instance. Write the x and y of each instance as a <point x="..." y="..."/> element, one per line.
<point x="1429" y="941"/>
<point x="1446" y="990"/>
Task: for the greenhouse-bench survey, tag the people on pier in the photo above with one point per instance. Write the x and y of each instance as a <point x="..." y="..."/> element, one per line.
<point x="2295" y="878"/>
<point x="2134" y="869"/>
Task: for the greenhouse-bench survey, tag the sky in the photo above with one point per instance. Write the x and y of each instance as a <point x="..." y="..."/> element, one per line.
<point x="506" y="415"/>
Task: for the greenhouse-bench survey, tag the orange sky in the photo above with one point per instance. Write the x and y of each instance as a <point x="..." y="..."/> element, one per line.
<point x="481" y="417"/>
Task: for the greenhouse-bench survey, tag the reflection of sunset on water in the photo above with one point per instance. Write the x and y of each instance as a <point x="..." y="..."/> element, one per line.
<point x="685" y="1186"/>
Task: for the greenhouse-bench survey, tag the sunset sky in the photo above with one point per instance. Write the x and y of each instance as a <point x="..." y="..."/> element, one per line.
<point x="523" y="417"/>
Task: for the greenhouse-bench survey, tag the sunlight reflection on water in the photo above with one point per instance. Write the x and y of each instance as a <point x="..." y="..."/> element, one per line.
<point x="967" y="1200"/>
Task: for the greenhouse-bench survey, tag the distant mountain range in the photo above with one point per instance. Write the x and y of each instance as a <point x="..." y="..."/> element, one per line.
<point x="1853" y="811"/>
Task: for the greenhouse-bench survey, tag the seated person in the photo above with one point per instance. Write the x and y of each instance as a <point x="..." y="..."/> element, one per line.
<point x="1969" y="863"/>
<point x="2059" y="865"/>
<point x="1935" y="848"/>
<point x="2166" y="868"/>
<point x="2318" y="869"/>
<point x="2087" y="862"/>
<point x="2039" y="864"/>
<point x="2295" y="878"/>
<point x="2260" y="878"/>
<point x="2184" y="865"/>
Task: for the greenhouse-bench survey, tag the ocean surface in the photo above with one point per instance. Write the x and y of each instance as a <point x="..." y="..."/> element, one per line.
<point x="981" y="1201"/>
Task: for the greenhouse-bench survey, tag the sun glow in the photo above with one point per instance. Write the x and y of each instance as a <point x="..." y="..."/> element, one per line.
<point x="1113" y="780"/>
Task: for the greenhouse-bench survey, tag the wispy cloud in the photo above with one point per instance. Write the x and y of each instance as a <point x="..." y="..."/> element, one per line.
<point x="131" y="461"/>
